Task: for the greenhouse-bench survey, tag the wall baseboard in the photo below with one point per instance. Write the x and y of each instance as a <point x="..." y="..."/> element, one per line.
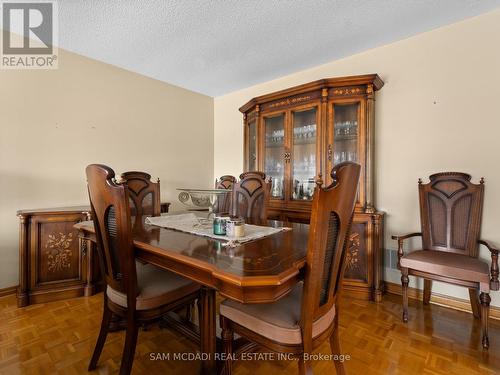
<point x="440" y="299"/>
<point x="8" y="291"/>
<point x="392" y="288"/>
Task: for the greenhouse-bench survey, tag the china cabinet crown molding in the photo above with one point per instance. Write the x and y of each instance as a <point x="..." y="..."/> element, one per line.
<point x="365" y="79"/>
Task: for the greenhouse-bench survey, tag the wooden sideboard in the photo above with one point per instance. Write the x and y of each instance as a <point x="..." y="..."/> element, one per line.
<point x="294" y="134"/>
<point x="54" y="263"/>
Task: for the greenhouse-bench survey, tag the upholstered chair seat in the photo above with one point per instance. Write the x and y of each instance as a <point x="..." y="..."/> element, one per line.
<point x="156" y="288"/>
<point x="456" y="266"/>
<point x="278" y="321"/>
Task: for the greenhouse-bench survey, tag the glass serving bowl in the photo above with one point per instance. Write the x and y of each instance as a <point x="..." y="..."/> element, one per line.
<point x="201" y="199"/>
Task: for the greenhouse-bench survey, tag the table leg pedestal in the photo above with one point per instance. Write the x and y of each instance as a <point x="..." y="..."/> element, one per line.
<point x="206" y="306"/>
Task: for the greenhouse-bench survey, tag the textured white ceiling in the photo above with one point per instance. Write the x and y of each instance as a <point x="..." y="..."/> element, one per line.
<point x="217" y="46"/>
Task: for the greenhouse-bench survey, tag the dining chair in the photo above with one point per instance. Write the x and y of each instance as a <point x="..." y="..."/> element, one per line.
<point x="450" y="220"/>
<point x="144" y="194"/>
<point x="299" y="322"/>
<point x="262" y="175"/>
<point x="135" y="291"/>
<point x="250" y="197"/>
<point x="224" y="202"/>
<point x="144" y="200"/>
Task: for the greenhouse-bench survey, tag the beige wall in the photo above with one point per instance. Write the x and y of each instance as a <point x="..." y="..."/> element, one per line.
<point x="438" y="111"/>
<point x="54" y="123"/>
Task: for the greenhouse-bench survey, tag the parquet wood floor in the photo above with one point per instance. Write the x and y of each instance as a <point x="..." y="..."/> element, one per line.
<point x="58" y="338"/>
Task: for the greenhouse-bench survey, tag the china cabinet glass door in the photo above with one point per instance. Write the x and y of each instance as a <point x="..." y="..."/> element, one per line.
<point x="252" y="146"/>
<point x="274" y="153"/>
<point x="344" y="136"/>
<point x="345" y="133"/>
<point x="304" y="127"/>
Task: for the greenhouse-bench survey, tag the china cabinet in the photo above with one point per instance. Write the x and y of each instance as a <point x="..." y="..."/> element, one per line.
<point x="294" y="134"/>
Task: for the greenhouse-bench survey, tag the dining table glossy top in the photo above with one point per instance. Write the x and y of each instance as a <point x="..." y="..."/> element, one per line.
<point x="240" y="272"/>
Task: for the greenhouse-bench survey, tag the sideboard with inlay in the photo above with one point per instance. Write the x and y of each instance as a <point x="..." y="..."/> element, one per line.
<point x="54" y="263"/>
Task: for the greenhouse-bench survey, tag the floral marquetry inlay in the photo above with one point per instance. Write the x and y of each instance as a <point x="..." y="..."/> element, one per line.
<point x="348" y="91"/>
<point x="58" y="251"/>
<point x="352" y="256"/>
<point x="289" y="101"/>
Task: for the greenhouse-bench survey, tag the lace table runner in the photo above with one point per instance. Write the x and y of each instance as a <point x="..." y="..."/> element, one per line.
<point x="190" y="223"/>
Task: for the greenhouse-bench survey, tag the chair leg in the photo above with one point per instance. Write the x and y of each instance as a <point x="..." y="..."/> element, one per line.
<point x="427" y="291"/>
<point x="305" y="367"/>
<point x="404" y="282"/>
<point x="199" y="310"/>
<point x="485" y="312"/>
<point x="103" y="333"/>
<point x="129" y="349"/>
<point x="227" y="345"/>
<point x="474" y="302"/>
<point x="335" y="348"/>
<point x="189" y="310"/>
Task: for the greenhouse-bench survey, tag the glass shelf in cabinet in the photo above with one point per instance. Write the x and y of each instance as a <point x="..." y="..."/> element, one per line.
<point x="304" y="141"/>
<point x="350" y="137"/>
<point x="274" y="145"/>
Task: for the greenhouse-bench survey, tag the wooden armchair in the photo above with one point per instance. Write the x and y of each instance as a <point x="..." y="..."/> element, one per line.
<point x="144" y="194"/>
<point x="299" y="322"/>
<point x="250" y="197"/>
<point x="224" y="202"/>
<point x="135" y="291"/>
<point x="450" y="216"/>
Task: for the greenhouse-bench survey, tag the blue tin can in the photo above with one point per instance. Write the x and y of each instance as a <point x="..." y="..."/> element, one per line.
<point x="220" y="225"/>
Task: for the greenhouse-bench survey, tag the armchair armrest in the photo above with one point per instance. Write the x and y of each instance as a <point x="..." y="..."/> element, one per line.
<point x="494" y="283"/>
<point x="400" y="240"/>
<point x="406" y="236"/>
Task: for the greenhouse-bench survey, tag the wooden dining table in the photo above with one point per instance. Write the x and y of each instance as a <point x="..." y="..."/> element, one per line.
<point x="260" y="271"/>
